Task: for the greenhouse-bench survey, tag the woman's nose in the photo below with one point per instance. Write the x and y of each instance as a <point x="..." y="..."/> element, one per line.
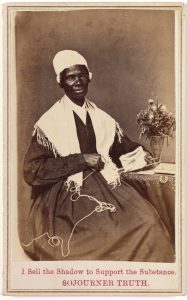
<point x="77" y="79"/>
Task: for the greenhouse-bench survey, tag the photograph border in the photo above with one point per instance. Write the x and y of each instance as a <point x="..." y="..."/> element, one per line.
<point x="9" y="120"/>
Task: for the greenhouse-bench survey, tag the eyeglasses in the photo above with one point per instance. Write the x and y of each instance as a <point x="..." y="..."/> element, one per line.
<point x="73" y="78"/>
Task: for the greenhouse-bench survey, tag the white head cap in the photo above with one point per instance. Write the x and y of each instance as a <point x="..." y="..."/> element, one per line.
<point x="68" y="58"/>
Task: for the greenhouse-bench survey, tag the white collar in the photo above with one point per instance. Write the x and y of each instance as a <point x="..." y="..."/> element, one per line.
<point x="81" y="111"/>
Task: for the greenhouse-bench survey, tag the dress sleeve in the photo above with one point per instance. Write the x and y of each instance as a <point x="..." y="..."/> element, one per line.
<point x="120" y="148"/>
<point x="42" y="168"/>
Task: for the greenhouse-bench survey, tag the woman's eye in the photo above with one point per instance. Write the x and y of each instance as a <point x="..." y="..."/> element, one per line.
<point x="74" y="77"/>
<point x="71" y="77"/>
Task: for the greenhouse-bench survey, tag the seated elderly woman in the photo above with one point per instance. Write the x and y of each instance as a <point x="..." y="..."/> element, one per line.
<point x="80" y="208"/>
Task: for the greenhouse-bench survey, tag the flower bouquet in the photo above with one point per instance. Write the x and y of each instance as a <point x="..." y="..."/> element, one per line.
<point x="156" y="123"/>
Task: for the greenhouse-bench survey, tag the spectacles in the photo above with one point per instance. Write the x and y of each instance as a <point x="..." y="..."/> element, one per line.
<point x="73" y="78"/>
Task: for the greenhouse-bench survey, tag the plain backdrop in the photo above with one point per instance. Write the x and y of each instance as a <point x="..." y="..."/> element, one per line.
<point x="130" y="53"/>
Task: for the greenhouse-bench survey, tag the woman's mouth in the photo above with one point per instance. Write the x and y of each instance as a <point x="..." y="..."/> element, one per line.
<point x="79" y="89"/>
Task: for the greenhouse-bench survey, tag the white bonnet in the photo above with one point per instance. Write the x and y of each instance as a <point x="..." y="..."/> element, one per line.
<point x="68" y="58"/>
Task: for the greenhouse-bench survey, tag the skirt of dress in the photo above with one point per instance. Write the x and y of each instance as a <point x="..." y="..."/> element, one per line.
<point x="100" y="223"/>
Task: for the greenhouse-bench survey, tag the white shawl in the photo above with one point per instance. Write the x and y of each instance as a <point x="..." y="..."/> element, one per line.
<point x="56" y="130"/>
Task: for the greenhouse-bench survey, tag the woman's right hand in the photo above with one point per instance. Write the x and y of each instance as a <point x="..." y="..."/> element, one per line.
<point x="94" y="161"/>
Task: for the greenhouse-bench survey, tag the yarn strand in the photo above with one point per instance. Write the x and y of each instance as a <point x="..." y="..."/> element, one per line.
<point x="55" y="241"/>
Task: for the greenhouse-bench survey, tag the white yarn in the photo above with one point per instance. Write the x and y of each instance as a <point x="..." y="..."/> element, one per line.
<point x="55" y="240"/>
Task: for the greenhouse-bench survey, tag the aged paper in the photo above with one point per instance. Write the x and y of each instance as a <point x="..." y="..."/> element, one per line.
<point x="135" y="53"/>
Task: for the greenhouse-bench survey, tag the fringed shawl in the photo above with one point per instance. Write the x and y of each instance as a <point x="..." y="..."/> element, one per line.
<point x="56" y="130"/>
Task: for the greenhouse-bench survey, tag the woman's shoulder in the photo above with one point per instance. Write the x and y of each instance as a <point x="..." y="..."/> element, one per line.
<point x="92" y="106"/>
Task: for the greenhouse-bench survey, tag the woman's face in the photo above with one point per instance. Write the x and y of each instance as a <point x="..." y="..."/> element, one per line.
<point x="74" y="81"/>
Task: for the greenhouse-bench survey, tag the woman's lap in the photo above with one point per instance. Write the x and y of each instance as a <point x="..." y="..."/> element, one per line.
<point x="129" y="229"/>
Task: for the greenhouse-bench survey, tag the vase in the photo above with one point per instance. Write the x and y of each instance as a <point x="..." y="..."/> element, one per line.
<point x="156" y="143"/>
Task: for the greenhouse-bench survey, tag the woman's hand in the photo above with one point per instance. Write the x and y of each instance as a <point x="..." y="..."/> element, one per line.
<point x="94" y="161"/>
<point x="148" y="158"/>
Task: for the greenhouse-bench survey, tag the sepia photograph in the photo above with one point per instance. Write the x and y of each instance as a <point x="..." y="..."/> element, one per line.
<point x="93" y="101"/>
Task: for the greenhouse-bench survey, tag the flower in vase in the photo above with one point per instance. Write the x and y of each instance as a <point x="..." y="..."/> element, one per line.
<point x="156" y="120"/>
<point x="163" y="108"/>
<point x="151" y="101"/>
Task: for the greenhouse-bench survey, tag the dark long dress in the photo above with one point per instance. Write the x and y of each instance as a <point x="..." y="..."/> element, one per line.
<point x="61" y="229"/>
